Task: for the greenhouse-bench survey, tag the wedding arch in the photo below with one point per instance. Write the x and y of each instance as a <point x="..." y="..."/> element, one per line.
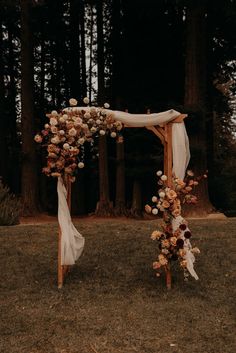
<point x="80" y="123"/>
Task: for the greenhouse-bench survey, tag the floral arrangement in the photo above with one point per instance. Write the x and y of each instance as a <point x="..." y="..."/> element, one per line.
<point x="174" y="237"/>
<point x="67" y="131"/>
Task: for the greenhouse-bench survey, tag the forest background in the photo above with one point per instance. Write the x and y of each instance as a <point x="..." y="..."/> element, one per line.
<point x="140" y="56"/>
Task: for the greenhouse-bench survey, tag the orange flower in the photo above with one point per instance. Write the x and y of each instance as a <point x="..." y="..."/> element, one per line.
<point x="173" y="240"/>
<point x="171" y="194"/>
<point x="165" y="243"/>
<point x="163" y="260"/>
<point x="176" y="212"/>
<point x="156" y="235"/>
<point x="165" y="204"/>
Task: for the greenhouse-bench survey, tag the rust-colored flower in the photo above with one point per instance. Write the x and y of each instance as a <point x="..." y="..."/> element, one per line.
<point x="156" y="265"/>
<point x="165" y="243"/>
<point x="173" y="241"/>
<point x="171" y="194"/>
<point x="165" y="204"/>
<point x="156" y="235"/>
<point x="148" y="208"/>
<point x="176" y="212"/>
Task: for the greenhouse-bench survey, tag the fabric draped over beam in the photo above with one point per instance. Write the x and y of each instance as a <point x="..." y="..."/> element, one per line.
<point x="72" y="241"/>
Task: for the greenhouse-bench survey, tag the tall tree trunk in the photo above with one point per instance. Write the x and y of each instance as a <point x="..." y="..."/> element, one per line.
<point x="120" y="206"/>
<point x="195" y="97"/>
<point x="75" y="78"/>
<point x="136" y="208"/>
<point x="3" y="131"/>
<point x="91" y="53"/>
<point x="29" y="165"/>
<point x="104" y="206"/>
<point x="83" y="51"/>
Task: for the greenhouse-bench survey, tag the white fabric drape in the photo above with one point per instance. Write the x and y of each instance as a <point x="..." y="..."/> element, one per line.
<point x="180" y="142"/>
<point x="72" y="242"/>
<point x="189" y="257"/>
<point x="180" y="150"/>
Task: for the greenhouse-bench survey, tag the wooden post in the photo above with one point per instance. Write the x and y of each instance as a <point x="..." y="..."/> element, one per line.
<point x="62" y="270"/>
<point x="168" y="276"/>
<point x="168" y="154"/>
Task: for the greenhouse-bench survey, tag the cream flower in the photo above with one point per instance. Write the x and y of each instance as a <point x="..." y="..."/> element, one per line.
<point x="162" y="194"/>
<point x="98" y="121"/>
<point x="54" y="129"/>
<point x="72" y="132"/>
<point x="46" y="126"/>
<point x="81" y="165"/>
<point x="53" y="121"/>
<point x="55" y="140"/>
<point x="93" y="129"/>
<point x="155" y="211"/>
<point x="113" y="134"/>
<point x="102" y="132"/>
<point x="87" y="115"/>
<point x="66" y="146"/>
<point x="159" y="173"/>
<point x="195" y="250"/>
<point x="73" y="102"/>
<point x="190" y="173"/>
<point x="86" y="100"/>
<point x="54" y="112"/>
<point x="163" y="177"/>
<point x="61" y="132"/>
<point x="62" y="120"/>
<point x="81" y="141"/>
<point x="154" y="199"/>
<point x="107" y="105"/>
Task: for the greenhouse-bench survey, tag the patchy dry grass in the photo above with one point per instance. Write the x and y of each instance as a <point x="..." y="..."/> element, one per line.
<point x="112" y="302"/>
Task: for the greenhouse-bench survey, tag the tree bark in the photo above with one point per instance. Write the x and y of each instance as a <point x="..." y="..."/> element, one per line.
<point x="29" y="166"/>
<point x="83" y="52"/>
<point x="120" y="205"/>
<point x="75" y="79"/>
<point x="136" y="208"/>
<point x="3" y="134"/>
<point x="195" y="98"/>
<point x="104" y="206"/>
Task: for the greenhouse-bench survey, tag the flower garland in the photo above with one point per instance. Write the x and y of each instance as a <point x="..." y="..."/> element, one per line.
<point x="174" y="238"/>
<point x="67" y="131"/>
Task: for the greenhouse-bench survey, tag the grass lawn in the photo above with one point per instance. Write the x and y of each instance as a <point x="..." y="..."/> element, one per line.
<point x="112" y="302"/>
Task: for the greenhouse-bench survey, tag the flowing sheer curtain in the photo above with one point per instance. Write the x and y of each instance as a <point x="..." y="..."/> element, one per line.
<point x="72" y="240"/>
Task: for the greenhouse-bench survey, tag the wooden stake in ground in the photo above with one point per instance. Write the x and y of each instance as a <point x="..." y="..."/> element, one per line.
<point x="62" y="270"/>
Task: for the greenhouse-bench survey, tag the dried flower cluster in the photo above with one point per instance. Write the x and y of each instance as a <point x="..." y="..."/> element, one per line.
<point x="174" y="238"/>
<point x="68" y="130"/>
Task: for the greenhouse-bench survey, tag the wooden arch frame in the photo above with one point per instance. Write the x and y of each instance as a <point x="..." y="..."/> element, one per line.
<point x="164" y="133"/>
